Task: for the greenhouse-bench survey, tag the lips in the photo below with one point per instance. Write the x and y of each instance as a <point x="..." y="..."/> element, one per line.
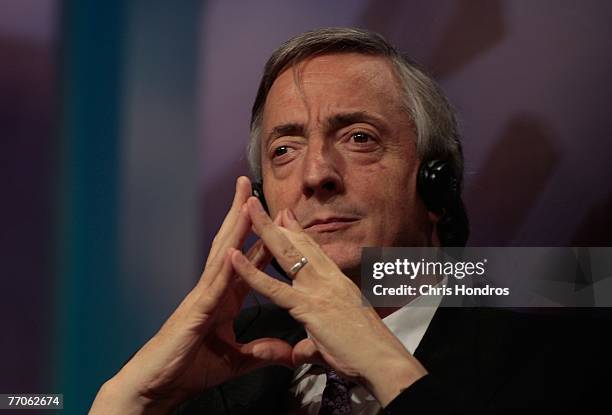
<point x="329" y="224"/>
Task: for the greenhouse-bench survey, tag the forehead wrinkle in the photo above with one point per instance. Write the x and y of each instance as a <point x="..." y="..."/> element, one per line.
<point x="298" y="81"/>
<point x="378" y="84"/>
<point x="297" y="72"/>
<point x="284" y="96"/>
<point x="383" y="84"/>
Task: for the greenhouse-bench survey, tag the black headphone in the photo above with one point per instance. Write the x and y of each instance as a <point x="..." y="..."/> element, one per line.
<point x="440" y="190"/>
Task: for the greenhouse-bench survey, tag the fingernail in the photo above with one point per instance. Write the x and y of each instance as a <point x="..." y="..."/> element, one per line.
<point x="277" y="218"/>
<point x="238" y="257"/>
<point x="291" y="215"/>
<point x="257" y="204"/>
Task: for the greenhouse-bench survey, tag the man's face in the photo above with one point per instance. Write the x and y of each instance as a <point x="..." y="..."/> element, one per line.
<point x="339" y="150"/>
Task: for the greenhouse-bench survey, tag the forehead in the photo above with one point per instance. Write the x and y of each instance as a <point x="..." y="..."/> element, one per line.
<point x="342" y="81"/>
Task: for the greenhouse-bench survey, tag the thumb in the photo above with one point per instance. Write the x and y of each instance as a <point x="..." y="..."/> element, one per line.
<point x="265" y="352"/>
<point x="306" y="352"/>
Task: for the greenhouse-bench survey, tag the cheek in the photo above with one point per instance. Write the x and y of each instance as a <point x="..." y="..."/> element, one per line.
<point x="276" y="206"/>
<point x="273" y="197"/>
<point x="394" y="207"/>
<point x="281" y="195"/>
<point x="387" y="189"/>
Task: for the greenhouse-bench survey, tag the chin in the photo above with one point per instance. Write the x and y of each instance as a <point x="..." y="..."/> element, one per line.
<point x="346" y="256"/>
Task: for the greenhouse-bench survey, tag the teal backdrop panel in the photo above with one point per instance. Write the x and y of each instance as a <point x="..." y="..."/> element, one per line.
<point x="117" y="59"/>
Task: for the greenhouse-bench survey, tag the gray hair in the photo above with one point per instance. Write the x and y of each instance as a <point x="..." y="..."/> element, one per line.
<point x="432" y="116"/>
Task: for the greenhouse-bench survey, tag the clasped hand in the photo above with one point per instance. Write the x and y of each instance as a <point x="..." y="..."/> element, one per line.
<point x="196" y="347"/>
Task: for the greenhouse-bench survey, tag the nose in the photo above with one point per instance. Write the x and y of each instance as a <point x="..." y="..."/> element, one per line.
<point x="322" y="176"/>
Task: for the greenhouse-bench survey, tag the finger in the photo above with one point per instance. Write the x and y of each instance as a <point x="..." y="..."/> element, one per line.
<point x="241" y="229"/>
<point x="226" y="279"/>
<point x="214" y="268"/>
<point x="242" y="193"/>
<point x="302" y="241"/>
<point x="258" y="254"/>
<point x="212" y="292"/>
<point x="278" y="219"/>
<point x="305" y="351"/>
<point x="279" y="245"/>
<point x="290" y="222"/>
<point x="278" y="292"/>
<point x="292" y="229"/>
<point x="265" y="352"/>
<point x="260" y="257"/>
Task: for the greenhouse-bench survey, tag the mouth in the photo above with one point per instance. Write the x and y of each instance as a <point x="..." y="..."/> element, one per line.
<point x="330" y="224"/>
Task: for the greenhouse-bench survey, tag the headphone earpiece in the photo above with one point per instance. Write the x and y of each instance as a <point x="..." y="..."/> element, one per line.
<point x="439" y="189"/>
<point x="257" y="190"/>
<point x="437" y="185"/>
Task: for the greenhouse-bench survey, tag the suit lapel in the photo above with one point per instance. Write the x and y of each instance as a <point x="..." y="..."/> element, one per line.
<point x="468" y="351"/>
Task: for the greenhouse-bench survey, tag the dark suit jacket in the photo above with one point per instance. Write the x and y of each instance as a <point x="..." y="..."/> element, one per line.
<point x="479" y="361"/>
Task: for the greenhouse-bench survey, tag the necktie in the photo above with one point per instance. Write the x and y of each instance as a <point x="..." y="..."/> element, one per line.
<point x="336" y="395"/>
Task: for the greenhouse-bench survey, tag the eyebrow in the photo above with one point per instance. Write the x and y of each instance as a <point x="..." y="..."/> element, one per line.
<point x="333" y="123"/>
<point x="292" y="128"/>
<point x="342" y="120"/>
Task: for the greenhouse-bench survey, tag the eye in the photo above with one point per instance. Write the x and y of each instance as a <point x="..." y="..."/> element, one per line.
<point x="280" y="151"/>
<point x="361" y="137"/>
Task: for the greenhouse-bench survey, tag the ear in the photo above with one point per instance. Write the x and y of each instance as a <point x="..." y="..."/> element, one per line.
<point x="434" y="218"/>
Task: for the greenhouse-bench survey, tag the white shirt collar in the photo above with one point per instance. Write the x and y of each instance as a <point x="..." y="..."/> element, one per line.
<point x="410" y="322"/>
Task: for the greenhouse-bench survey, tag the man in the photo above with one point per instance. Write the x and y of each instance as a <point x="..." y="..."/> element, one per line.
<point x="342" y="129"/>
